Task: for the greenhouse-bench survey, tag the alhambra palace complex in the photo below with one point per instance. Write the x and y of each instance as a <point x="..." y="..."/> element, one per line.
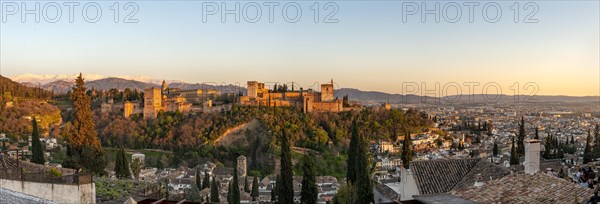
<point x="309" y="100"/>
<point x="170" y="100"/>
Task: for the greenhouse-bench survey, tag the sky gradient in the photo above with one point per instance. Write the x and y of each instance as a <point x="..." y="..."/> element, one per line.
<point x="370" y="48"/>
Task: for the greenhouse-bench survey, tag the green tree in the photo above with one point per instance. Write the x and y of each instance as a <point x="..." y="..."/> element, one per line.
<point x="206" y="181"/>
<point x="352" y="153"/>
<point x="235" y="190"/>
<point x="363" y="175"/>
<point x="521" y="138"/>
<point x="198" y="179"/>
<point x="286" y="188"/>
<point x="495" y="149"/>
<point x="537" y="136"/>
<point x="255" y="192"/>
<point x="121" y="165"/>
<point x="214" y="191"/>
<point x="309" y="192"/>
<point x="514" y="156"/>
<point x="345" y="195"/>
<point x="230" y="192"/>
<point x="596" y="148"/>
<point x="406" y="150"/>
<point x="36" y="146"/>
<point x="193" y="194"/>
<point x="86" y="149"/>
<point x="136" y="167"/>
<point x="246" y="185"/>
<point x="587" y="154"/>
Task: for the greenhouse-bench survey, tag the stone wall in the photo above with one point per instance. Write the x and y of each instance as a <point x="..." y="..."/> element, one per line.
<point x="61" y="193"/>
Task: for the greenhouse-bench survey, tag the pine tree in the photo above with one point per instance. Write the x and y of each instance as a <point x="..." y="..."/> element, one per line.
<point x="495" y="149"/>
<point x="351" y="164"/>
<point x="206" y="181"/>
<point x="36" y="145"/>
<point x="587" y="154"/>
<point x="521" y="138"/>
<point x="255" y="192"/>
<point x="214" y="191"/>
<point x="286" y="190"/>
<point x="246" y="185"/>
<point x="309" y="192"/>
<point x="235" y="189"/>
<point x="406" y="150"/>
<point x="86" y="148"/>
<point x="198" y="179"/>
<point x="514" y="157"/>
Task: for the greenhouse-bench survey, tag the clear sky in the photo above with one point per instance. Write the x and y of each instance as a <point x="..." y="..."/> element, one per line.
<point x="370" y="48"/>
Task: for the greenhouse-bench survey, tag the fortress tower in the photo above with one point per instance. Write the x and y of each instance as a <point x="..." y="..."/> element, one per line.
<point x="152" y="102"/>
<point x="327" y="94"/>
<point x="252" y="89"/>
<point x="241" y="166"/>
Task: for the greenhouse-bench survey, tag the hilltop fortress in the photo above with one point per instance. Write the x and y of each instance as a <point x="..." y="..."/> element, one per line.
<point x="157" y="99"/>
<point x="307" y="100"/>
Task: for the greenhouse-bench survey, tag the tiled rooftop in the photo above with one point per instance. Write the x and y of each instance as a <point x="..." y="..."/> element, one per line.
<point x="524" y="188"/>
<point x="440" y="176"/>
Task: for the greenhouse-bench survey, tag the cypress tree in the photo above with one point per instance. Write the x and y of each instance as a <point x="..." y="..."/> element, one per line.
<point x="537" y="136"/>
<point x="521" y="138"/>
<point x="596" y="150"/>
<point x="255" y="192"/>
<point x="309" y="192"/>
<point x="230" y="193"/>
<point x="274" y="195"/>
<point x="351" y="164"/>
<point x="214" y="191"/>
<point x="514" y="157"/>
<point x="122" y="172"/>
<point x="495" y="149"/>
<point x="206" y="181"/>
<point x="246" y="185"/>
<point x="406" y="150"/>
<point x="36" y="145"/>
<point x="286" y="193"/>
<point x="235" y="189"/>
<point x="587" y="154"/>
<point x="198" y="180"/>
<point x="363" y="174"/>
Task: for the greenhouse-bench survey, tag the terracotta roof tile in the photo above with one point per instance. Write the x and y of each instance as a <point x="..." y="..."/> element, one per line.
<point x="525" y="188"/>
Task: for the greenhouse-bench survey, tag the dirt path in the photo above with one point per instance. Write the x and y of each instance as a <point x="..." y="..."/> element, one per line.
<point x="236" y="133"/>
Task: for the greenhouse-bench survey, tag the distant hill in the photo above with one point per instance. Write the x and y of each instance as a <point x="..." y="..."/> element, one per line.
<point x="376" y="96"/>
<point x="62" y="86"/>
<point x="10" y="88"/>
<point x="381" y="97"/>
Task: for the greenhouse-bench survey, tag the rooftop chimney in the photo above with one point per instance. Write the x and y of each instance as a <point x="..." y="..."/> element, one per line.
<point x="532" y="156"/>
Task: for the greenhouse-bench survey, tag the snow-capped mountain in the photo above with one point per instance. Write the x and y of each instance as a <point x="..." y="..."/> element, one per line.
<point x="45" y="79"/>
